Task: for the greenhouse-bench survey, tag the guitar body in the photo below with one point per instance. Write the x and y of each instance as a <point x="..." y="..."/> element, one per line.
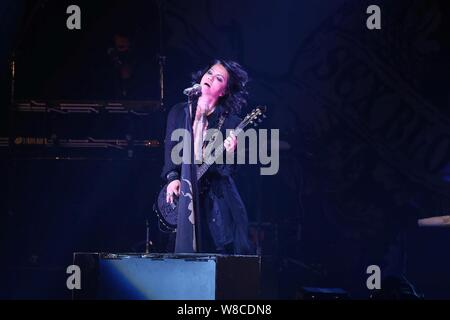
<point x="167" y="212"/>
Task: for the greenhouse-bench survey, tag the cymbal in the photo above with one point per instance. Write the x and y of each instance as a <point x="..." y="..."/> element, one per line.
<point x="438" y="221"/>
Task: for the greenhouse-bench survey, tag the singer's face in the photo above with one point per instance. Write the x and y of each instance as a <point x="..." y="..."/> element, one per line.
<point x="214" y="81"/>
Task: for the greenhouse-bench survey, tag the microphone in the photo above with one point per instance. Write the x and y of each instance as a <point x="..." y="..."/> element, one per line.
<point x="193" y="91"/>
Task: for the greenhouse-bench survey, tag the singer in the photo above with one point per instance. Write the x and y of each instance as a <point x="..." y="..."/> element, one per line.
<point x="211" y="215"/>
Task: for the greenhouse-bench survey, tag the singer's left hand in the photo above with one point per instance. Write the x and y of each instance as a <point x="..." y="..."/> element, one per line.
<point x="230" y="143"/>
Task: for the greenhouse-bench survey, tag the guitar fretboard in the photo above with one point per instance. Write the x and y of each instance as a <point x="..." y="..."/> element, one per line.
<point x="216" y="154"/>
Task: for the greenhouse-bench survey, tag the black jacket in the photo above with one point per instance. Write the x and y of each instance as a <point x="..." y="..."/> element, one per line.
<point x="220" y="203"/>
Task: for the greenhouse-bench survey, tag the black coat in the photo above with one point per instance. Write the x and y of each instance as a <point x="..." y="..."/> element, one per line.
<point x="223" y="214"/>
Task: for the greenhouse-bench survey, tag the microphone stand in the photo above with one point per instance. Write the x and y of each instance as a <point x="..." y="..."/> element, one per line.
<point x="12" y="99"/>
<point x="161" y="61"/>
<point x="161" y="57"/>
<point x="193" y="109"/>
<point x="13" y="77"/>
<point x="147" y="238"/>
<point x="197" y="229"/>
<point x="12" y="73"/>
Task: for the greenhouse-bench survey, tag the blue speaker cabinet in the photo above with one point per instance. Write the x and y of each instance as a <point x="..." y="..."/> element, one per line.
<point x="167" y="276"/>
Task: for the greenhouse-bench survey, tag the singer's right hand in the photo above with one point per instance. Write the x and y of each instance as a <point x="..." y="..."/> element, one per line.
<point x="173" y="189"/>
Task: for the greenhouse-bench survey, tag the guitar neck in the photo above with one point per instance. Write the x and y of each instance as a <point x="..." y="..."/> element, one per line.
<point x="212" y="158"/>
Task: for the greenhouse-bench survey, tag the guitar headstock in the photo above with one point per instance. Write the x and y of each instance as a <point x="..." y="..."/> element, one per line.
<point x="255" y="116"/>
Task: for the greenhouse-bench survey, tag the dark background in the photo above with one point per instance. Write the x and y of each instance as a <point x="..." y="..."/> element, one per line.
<point x="363" y="116"/>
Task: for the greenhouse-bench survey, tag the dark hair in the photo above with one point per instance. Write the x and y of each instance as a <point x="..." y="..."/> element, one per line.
<point x="235" y="97"/>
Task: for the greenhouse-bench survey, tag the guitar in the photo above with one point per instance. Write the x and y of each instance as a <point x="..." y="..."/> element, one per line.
<point x="167" y="212"/>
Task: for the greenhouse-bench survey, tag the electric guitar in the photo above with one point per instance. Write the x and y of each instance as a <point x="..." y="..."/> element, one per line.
<point x="167" y="212"/>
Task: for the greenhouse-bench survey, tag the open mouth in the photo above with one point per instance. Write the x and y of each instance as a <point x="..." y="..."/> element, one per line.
<point x="207" y="84"/>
